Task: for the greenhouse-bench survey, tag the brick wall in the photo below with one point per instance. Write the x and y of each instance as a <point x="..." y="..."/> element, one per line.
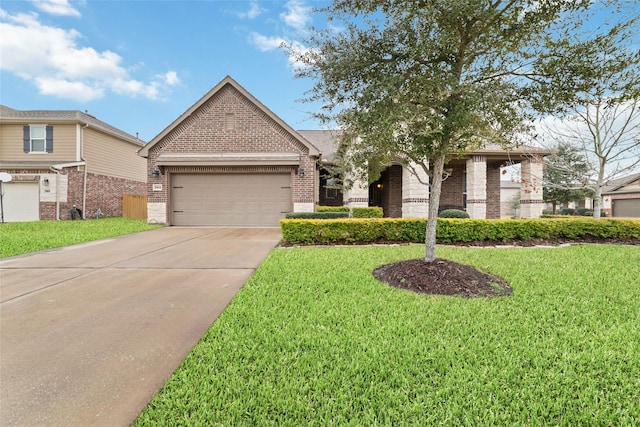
<point x="453" y="188"/>
<point x="392" y="203"/>
<point x="493" y="191"/>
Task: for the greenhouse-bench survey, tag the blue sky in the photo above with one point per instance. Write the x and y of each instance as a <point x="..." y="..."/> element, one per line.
<point x="138" y="65"/>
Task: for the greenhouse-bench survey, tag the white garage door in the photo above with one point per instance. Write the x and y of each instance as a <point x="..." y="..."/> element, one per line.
<point x="21" y="201"/>
<point x="230" y="199"/>
<point x="626" y="208"/>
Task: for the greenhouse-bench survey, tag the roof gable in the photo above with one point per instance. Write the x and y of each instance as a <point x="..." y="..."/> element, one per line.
<point x="227" y="81"/>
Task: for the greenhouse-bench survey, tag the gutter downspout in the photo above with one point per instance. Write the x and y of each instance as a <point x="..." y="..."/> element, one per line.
<point x="57" y="192"/>
<point x="84" y="188"/>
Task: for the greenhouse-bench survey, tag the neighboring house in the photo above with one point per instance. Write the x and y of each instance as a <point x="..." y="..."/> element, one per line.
<point x="229" y="160"/>
<point x="58" y="159"/>
<point x="621" y="197"/>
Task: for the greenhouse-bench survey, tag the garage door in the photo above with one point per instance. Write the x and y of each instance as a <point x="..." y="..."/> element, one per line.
<point x="21" y="201"/>
<point x="230" y="199"/>
<point x="626" y="208"/>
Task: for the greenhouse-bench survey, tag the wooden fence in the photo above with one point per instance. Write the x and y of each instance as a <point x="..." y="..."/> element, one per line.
<point x="134" y="206"/>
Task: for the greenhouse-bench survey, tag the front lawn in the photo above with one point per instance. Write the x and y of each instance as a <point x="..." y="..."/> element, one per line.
<point x="22" y="237"/>
<point x="314" y="339"/>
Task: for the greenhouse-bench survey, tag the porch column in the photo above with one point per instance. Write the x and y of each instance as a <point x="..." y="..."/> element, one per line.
<point x="357" y="196"/>
<point x="531" y="202"/>
<point x="415" y="194"/>
<point x="477" y="186"/>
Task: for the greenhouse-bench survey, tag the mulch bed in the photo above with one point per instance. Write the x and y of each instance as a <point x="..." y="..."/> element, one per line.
<point x="442" y="277"/>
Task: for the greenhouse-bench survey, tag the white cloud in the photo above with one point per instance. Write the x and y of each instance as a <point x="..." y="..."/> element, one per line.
<point x="56" y="7"/>
<point x="51" y="58"/>
<point x="65" y="89"/>
<point x="266" y="43"/>
<point x="298" y="15"/>
<point x="254" y="11"/>
<point x="171" y="78"/>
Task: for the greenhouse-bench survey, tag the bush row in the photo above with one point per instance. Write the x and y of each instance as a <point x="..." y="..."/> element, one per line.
<point x="570" y="211"/>
<point x="369" y="212"/>
<point x="343" y="231"/>
<point x="317" y="215"/>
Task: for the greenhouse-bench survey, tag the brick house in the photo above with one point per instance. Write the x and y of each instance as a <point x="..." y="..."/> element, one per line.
<point x="473" y="183"/>
<point x="229" y="160"/>
<point x="60" y="158"/>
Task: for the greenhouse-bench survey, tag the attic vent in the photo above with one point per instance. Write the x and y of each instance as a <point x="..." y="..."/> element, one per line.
<point x="229" y="121"/>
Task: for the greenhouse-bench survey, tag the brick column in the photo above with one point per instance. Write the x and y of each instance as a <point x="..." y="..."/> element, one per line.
<point x="357" y="196"/>
<point x="477" y="186"/>
<point x="415" y="194"/>
<point x="531" y="202"/>
<point x="493" y="191"/>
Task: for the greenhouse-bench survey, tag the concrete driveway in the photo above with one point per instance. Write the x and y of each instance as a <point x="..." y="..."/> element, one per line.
<point x="89" y="333"/>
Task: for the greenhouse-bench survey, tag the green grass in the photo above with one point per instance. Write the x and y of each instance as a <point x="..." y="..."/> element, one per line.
<point x="22" y="237"/>
<point x="313" y="339"/>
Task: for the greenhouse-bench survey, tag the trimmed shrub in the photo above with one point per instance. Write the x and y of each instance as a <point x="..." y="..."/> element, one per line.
<point x="332" y="209"/>
<point x="453" y="213"/>
<point x="370" y="212"/>
<point x="567" y="211"/>
<point x="317" y="215"/>
<point x="451" y="230"/>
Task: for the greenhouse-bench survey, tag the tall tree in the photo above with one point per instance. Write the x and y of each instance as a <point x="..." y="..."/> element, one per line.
<point x="566" y="176"/>
<point x="599" y="77"/>
<point x="606" y="133"/>
<point x="427" y="80"/>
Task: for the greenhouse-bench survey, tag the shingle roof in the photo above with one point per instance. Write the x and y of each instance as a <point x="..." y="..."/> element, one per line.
<point x="615" y="184"/>
<point x="327" y="142"/>
<point x="51" y="116"/>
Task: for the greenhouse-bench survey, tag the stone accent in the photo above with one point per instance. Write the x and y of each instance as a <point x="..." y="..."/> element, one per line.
<point x="157" y="213"/>
<point x="415" y="194"/>
<point x="303" y="207"/>
<point x="357" y="196"/>
<point x="477" y="187"/>
<point x="531" y="202"/>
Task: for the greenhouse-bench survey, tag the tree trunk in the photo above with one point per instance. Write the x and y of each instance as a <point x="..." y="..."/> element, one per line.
<point x="434" y="204"/>
<point x="597" y="203"/>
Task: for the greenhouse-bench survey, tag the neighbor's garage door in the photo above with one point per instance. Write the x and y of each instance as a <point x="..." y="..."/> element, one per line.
<point x="230" y="199"/>
<point x="21" y="201"/>
<point x="628" y="208"/>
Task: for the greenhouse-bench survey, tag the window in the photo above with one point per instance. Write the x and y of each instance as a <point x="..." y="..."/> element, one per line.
<point x="38" y="139"/>
<point x="332" y="191"/>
